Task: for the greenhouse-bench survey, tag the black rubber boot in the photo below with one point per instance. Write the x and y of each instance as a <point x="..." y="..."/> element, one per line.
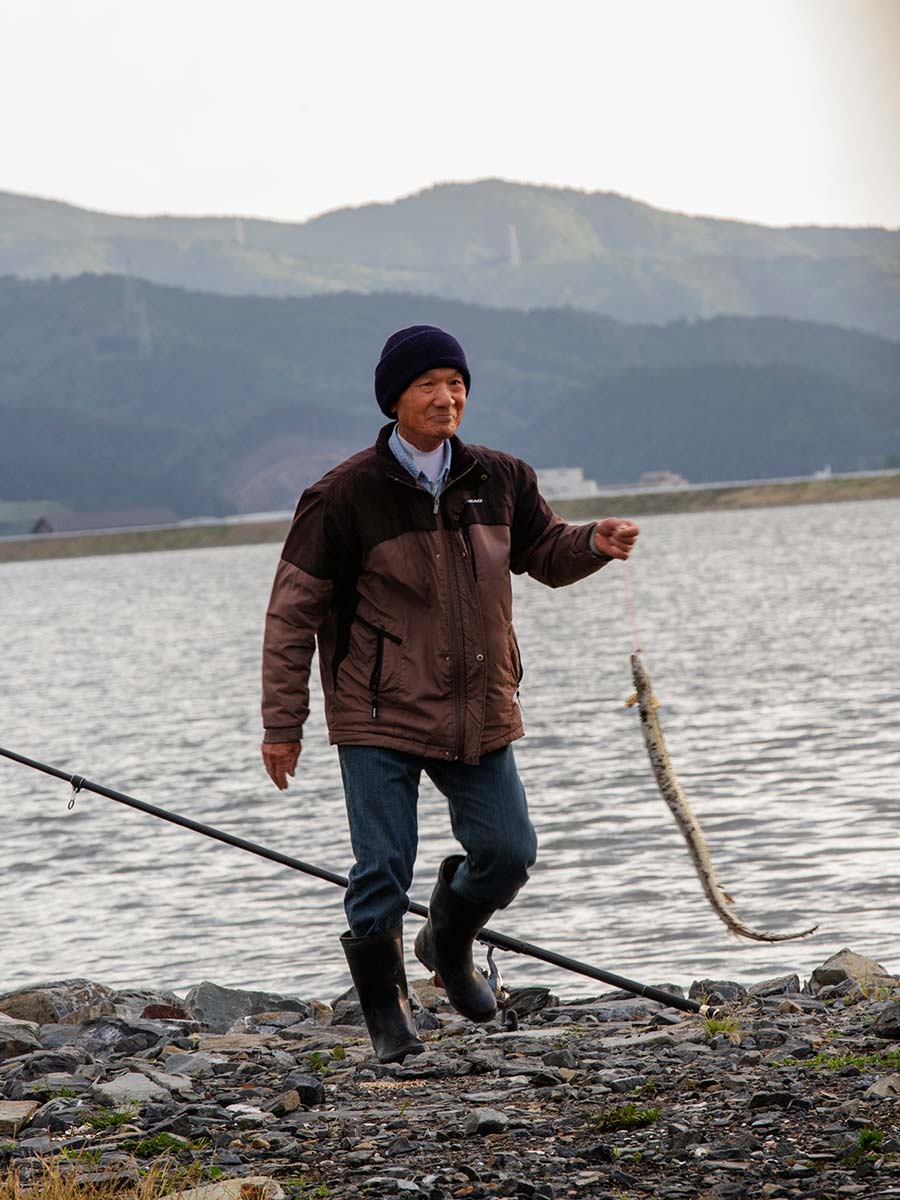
<point x="376" y="964"/>
<point x="444" y="945"/>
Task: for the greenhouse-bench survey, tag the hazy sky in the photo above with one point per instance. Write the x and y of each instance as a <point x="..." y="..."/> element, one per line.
<point x="780" y="111"/>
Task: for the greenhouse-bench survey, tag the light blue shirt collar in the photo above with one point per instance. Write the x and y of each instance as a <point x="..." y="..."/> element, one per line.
<point x="405" y="459"/>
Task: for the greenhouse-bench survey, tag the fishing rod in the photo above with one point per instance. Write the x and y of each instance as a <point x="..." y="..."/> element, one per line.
<point x="488" y="937"/>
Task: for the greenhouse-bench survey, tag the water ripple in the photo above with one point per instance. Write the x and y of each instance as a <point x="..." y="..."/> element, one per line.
<point x="776" y="660"/>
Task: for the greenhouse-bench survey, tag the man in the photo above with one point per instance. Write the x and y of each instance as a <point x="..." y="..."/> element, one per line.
<point x="398" y="562"/>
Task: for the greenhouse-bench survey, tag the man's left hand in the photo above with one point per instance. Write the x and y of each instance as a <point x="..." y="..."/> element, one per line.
<point x="615" y="537"/>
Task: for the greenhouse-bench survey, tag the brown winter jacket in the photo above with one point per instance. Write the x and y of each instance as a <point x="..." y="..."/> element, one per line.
<point x="410" y="599"/>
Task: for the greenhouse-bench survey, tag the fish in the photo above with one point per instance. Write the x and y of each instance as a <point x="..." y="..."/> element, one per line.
<point x="674" y="797"/>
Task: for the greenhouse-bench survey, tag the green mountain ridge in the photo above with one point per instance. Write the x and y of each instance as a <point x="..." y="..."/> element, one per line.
<point x="491" y="243"/>
<point x="116" y="393"/>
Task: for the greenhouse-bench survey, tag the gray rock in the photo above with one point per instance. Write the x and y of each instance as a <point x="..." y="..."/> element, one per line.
<point x="217" y="1008"/>
<point x="40" y="1145"/>
<point x="887" y="1023"/>
<point x="15" y="1114"/>
<point x="285" y="1103"/>
<point x="679" y="1137"/>
<point x="777" y="1099"/>
<point x="848" y="966"/>
<point x="310" y="1089"/>
<point x="131" y="1088"/>
<point x="784" y="985"/>
<point x="131" y="1003"/>
<point x="629" y="1009"/>
<point x="54" y="1082"/>
<point x="797" y="1049"/>
<point x="248" y="1116"/>
<point x="485" y="1120"/>
<point x="617" y="993"/>
<point x="638" y="1041"/>
<point x="767" y="1036"/>
<point x="347" y="1010"/>
<point x="887" y="1085"/>
<point x="54" y="1036"/>
<point x="425" y="1021"/>
<point x="42" y="1062"/>
<point x="193" y="1064"/>
<point x="56" y="1116"/>
<point x="65" y="1001"/>
<point x="117" y="1036"/>
<point x="270" y="1022"/>
<point x="716" y="991"/>
<point x="181" y="1085"/>
<point x="527" y="1000"/>
<point x="625" y="1083"/>
<point x="559" y="1058"/>
<point x="17" y="1037"/>
<point x="688" y="1050"/>
<point x="833" y="991"/>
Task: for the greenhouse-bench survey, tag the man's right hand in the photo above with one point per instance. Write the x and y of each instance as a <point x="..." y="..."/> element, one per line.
<point x="281" y="760"/>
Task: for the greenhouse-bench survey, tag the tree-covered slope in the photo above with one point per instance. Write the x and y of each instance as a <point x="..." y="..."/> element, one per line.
<point x="115" y="393"/>
<point x="491" y="243"/>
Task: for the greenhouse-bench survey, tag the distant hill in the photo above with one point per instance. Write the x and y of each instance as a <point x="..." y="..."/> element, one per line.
<point x="115" y="394"/>
<point x="779" y="420"/>
<point x="490" y="243"/>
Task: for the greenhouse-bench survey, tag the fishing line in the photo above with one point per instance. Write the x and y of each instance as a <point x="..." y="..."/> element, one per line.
<point x="629" y="602"/>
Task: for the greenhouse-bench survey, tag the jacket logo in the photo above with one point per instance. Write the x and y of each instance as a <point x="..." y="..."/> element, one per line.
<point x="474" y="500"/>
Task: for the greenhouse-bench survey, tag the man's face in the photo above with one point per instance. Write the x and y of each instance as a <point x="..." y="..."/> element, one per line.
<point x="431" y="407"/>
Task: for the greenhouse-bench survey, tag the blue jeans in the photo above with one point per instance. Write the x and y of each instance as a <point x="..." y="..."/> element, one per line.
<point x="488" y="815"/>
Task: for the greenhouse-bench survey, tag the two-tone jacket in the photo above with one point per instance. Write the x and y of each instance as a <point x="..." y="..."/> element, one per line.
<point x="410" y="600"/>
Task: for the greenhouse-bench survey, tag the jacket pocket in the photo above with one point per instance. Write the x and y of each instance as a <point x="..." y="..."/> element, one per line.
<point x="470" y="549"/>
<point x="381" y="635"/>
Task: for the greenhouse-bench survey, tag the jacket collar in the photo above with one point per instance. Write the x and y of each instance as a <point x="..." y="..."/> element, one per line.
<point x="462" y="460"/>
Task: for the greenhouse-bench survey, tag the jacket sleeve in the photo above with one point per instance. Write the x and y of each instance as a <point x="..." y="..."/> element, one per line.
<point x="545" y="546"/>
<point x="301" y="599"/>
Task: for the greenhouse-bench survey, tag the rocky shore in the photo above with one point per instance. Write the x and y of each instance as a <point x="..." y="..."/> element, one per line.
<point x="791" y="1090"/>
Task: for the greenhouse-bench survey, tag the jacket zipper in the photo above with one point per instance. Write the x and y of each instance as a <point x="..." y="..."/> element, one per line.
<point x="375" y="677"/>
<point x="456" y="634"/>
<point x="456" y="639"/>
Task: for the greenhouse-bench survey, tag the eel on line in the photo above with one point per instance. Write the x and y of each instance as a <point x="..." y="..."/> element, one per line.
<point x="685" y="819"/>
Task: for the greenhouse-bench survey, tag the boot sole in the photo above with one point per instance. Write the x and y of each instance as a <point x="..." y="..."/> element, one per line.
<point x="424" y="951"/>
<point x="407" y="1052"/>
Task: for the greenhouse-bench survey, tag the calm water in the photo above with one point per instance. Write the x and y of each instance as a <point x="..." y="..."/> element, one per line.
<point x="772" y="638"/>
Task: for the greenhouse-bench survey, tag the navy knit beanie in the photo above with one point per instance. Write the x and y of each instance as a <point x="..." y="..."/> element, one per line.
<point x="411" y="352"/>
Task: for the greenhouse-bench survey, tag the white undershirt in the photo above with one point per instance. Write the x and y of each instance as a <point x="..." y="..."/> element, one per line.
<point x="429" y="462"/>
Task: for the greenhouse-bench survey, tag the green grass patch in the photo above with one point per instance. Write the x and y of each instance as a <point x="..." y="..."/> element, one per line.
<point x="318" y="1063"/>
<point x="80" y="1156"/>
<point x="302" y="1188"/>
<point x="623" y="1116"/>
<point x="868" y="1145"/>
<point x="646" y="1090"/>
<point x="726" y="1024"/>
<point x="158" y="1144"/>
<point x="62" y="1093"/>
<point x="111" y="1118"/>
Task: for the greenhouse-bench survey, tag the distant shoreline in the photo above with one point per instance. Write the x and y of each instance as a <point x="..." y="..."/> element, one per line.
<point x="828" y="490"/>
<point x="624" y="504"/>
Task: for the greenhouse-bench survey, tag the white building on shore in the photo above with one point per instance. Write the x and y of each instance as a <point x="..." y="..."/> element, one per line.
<point x="565" y="483"/>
